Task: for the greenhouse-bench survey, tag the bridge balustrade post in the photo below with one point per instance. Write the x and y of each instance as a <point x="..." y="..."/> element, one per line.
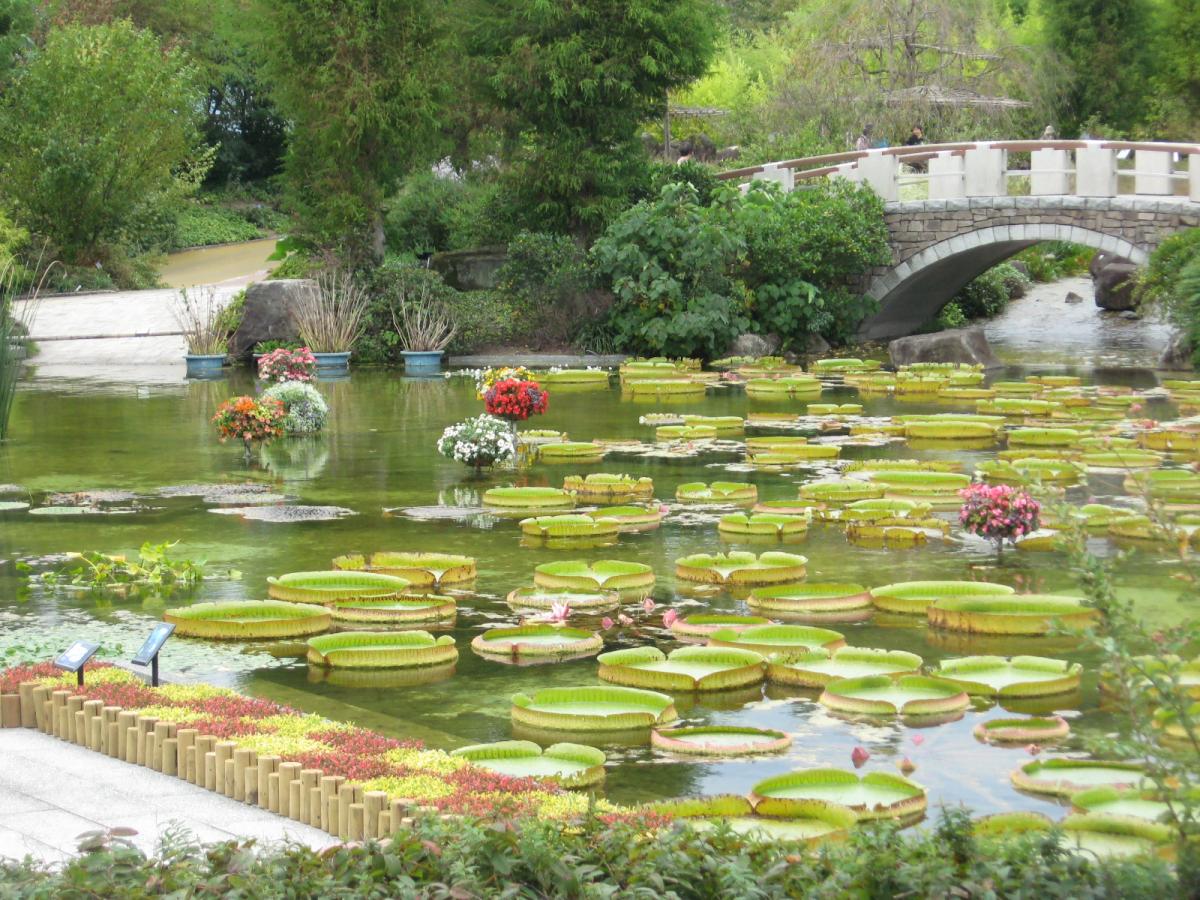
<point x="882" y="172"/>
<point x="1152" y="173"/>
<point x="1194" y="176"/>
<point x="1095" y="172"/>
<point x="985" y="171"/>
<point x="1049" y="172"/>
<point x="785" y="178"/>
<point x="946" y="177"/>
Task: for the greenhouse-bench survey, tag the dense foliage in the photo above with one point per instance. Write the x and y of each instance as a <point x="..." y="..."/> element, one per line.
<point x="464" y="858"/>
<point x="1171" y="281"/>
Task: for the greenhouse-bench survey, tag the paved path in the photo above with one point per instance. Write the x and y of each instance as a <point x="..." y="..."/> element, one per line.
<point x="52" y="791"/>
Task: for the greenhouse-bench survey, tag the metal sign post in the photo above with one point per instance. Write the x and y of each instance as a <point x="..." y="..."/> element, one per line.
<point x="148" y="654"/>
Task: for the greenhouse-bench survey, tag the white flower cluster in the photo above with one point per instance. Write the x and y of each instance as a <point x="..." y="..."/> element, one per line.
<point x="483" y="440"/>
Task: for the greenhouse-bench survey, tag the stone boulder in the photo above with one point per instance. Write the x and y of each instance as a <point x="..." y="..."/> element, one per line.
<point x="1114" y="286"/>
<point x="1073" y="297"/>
<point x="1178" y="354"/>
<point x="267" y="314"/>
<point x="470" y="270"/>
<point x="955" y="345"/>
<point x="754" y="345"/>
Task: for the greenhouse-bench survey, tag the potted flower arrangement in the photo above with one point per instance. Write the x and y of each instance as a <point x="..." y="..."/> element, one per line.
<point x="479" y="442"/>
<point x="262" y="348"/>
<point x="250" y="419"/>
<point x="305" y="410"/>
<point x="515" y="400"/>
<point x="485" y="378"/>
<point x="205" y="329"/>
<point x="330" y="317"/>
<point x="998" y="512"/>
<point x="425" y="328"/>
<point x="284" y="364"/>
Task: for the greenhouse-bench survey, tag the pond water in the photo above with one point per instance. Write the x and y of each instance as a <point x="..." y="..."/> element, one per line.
<point x="377" y="460"/>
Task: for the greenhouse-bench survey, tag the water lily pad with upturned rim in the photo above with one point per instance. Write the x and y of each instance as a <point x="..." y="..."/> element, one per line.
<point x="811" y="822"/>
<point x="609" y="487"/>
<point x="840" y="492"/>
<point x="414" y="608"/>
<point x="381" y="650"/>
<point x="915" y="597"/>
<point x="627" y="578"/>
<point x="1064" y="777"/>
<point x="1035" y="729"/>
<point x="570" y="451"/>
<point x="326" y="587"/>
<point x="768" y="639"/>
<point x="421" y="570"/>
<point x="570" y="765"/>
<point x="541" y="641"/>
<point x="742" y="568"/>
<point x="913" y="697"/>
<point x="819" y="667"/>
<point x="717" y="492"/>
<point x="540" y="598"/>
<point x="528" y="498"/>
<point x="875" y="795"/>
<point x="604" y="708"/>
<point x="685" y="669"/>
<point x="1017" y="676"/>
<point x="566" y="527"/>
<point x="631" y="517"/>
<point x="1012" y="614"/>
<point x="248" y="619"/>
<point x="1133" y="803"/>
<point x="720" y="740"/>
<point x="701" y="625"/>
<point x="828" y="601"/>
<point x="763" y="524"/>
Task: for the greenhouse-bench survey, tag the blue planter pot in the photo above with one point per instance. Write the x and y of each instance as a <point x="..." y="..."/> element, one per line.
<point x="333" y="363"/>
<point x="204" y="365"/>
<point x="422" y="360"/>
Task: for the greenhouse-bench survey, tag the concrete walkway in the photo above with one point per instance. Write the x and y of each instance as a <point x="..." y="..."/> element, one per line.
<point x="52" y="791"/>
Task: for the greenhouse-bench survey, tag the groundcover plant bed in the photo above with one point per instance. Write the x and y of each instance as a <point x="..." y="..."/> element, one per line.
<point x="248" y="620"/>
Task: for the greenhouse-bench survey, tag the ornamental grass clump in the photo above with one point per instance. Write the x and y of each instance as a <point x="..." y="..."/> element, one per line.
<point x="285" y="364"/>
<point x="199" y="316"/>
<point x="480" y="442"/>
<point x="250" y="420"/>
<point x="998" y="512"/>
<point x="330" y="317"/>
<point x="305" y="408"/>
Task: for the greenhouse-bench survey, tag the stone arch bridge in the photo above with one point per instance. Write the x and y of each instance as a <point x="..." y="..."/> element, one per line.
<point x="955" y="210"/>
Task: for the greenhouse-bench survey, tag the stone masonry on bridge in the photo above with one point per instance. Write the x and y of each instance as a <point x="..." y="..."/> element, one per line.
<point x="939" y="246"/>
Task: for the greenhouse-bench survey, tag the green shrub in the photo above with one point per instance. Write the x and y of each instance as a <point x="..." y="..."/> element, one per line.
<point x="204" y="224"/>
<point x="987" y="295"/>
<point x="951" y="316"/>
<point x="1053" y="260"/>
<point x="547" y="281"/>
<point x="487" y="318"/>
<point x="594" y="859"/>
<point x="668" y="263"/>
<point x="701" y="177"/>
<point x="431" y="214"/>
<point x="1158" y="281"/>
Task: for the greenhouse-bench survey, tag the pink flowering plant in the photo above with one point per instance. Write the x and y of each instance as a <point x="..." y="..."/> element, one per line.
<point x="288" y="365"/>
<point x="998" y="512"/>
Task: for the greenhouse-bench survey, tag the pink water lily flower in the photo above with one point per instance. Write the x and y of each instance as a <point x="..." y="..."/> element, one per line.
<point x="859" y="756"/>
<point x="918" y="739"/>
<point x="559" y="612"/>
<point x="606" y="623"/>
<point x="648" y="605"/>
<point x="670" y="617"/>
<point x="1033" y="749"/>
<point x="624" y="620"/>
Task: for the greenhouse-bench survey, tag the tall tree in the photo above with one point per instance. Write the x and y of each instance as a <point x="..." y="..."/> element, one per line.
<point x="1178" y="61"/>
<point x="1105" y="45"/>
<point x="578" y="79"/>
<point x="360" y="81"/>
<point x="98" y="134"/>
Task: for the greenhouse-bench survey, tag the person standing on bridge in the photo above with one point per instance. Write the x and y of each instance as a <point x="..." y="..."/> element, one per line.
<point x="864" y="139"/>
<point x="915" y="139"/>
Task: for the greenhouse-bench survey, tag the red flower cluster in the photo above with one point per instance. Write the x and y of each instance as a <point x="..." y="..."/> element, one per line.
<point x="515" y="400"/>
<point x="998" y="512"/>
<point x="10" y="679"/>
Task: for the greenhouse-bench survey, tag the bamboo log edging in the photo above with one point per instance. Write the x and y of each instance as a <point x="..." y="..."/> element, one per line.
<point x="329" y="802"/>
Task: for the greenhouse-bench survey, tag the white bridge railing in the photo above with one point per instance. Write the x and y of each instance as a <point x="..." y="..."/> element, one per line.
<point x="985" y="169"/>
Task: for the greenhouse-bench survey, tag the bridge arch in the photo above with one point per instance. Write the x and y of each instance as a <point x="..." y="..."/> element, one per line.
<point x="913" y="292"/>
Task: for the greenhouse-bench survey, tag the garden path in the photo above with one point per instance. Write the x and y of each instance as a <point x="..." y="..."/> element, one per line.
<point x="51" y="792"/>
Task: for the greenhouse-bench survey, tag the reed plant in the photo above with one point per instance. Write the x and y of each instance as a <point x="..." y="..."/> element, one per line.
<point x="20" y="295"/>
<point x="200" y="317"/>
<point x="423" y="322"/>
<point x="331" y="316"/>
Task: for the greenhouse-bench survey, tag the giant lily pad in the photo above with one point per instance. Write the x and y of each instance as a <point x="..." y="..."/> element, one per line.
<point x="538" y="642"/>
<point x="1065" y="777"/>
<point x="1018" y="676"/>
<point x="685" y="669"/>
<point x="916" y="698"/>
<point x="528" y="498"/>
<point x="720" y="740"/>
<point x="570" y="452"/>
<point x="326" y="587"/>
<point x="421" y="570"/>
<point x="881" y="511"/>
<point x="767" y="639"/>
<point x="717" y="492"/>
<point x="593" y="709"/>
<point x="568" y="527"/>
<point x="415" y="608"/>
<point x="818" y="667"/>
<point x="938" y="488"/>
<point x="794" y="386"/>
<point x="248" y="620"/>
<point x="1170" y="439"/>
<point x="1120" y="459"/>
<point x="607" y="487"/>
<point x="1024" y="614"/>
<point x="950" y="430"/>
<point x="285" y="515"/>
<point x="701" y="625"/>
<point x="741" y="568"/>
<point x="571" y="765"/>
<point x="762" y="525"/>
<point x="1035" y="730"/>
<point x="810" y="823"/>
<point x="1109" y="836"/>
<point x="723" y="424"/>
<point x="915" y="597"/>
<point x="632" y="580"/>
<point x="1045" y="437"/>
<point x="631" y="518"/>
<point x="825" y="602"/>
<point x="544" y="599"/>
<point x="685" y="433"/>
<point x="839" y="493"/>
<point x="1132" y="803"/>
<point x="876" y="795"/>
<point x="574" y="376"/>
<point x="381" y="650"/>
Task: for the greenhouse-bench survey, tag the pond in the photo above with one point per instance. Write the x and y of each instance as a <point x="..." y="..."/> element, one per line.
<point x="377" y="460"/>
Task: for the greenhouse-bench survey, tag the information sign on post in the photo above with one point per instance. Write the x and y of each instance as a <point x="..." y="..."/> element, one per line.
<point x="148" y="654"/>
<point x="75" y="657"/>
